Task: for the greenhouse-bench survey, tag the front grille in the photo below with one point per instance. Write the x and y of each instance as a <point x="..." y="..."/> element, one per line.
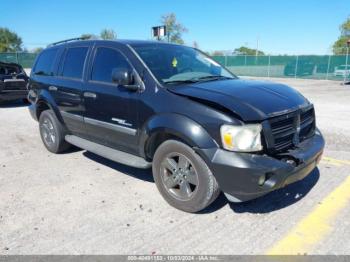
<point x="14" y="85"/>
<point x="288" y="130"/>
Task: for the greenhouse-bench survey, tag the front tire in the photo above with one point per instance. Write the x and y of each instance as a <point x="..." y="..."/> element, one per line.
<point x="52" y="132"/>
<point x="183" y="178"/>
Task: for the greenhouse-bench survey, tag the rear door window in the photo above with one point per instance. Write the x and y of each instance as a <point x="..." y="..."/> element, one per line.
<point x="44" y="66"/>
<point x="107" y="60"/>
<point x="74" y="60"/>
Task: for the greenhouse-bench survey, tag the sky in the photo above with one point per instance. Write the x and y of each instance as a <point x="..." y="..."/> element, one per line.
<point x="280" y="26"/>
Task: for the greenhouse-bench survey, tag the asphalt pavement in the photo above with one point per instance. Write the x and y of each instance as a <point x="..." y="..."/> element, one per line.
<point x="80" y="203"/>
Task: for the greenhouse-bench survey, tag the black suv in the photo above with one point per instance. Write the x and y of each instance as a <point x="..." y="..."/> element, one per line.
<point x="13" y="82"/>
<point x="202" y="129"/>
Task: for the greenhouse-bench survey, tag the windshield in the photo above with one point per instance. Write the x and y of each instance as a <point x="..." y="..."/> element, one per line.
<point x="174" y="64"/>
<point x="343" y="67"/>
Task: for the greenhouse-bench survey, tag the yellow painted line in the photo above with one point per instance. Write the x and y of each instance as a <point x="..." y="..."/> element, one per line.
<point x="330" y="163"/>
<point x="336" y="161"/>
<point x="311" y="230"/>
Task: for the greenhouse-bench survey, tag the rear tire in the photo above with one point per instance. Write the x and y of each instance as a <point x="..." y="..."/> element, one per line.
<point x="183" y="178"/>
<point x="52" y="132"/>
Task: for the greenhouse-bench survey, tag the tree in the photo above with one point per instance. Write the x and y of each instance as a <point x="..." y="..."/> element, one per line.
<point x="174" y="29"/>
<point x="37" y="50"/>
<point x="218" y="53"/>
<point x="108" y="34"/>
<point x="89" y="36"/>
<point x="9" y="41"/>
<point x="243" y="50"/>
<point x="339" y="47"/>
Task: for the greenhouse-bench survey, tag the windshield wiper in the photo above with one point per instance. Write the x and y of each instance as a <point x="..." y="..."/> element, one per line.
<point x="198" y="79"/>
<point x="187" y="81"/>
<point x="212" y="78"/>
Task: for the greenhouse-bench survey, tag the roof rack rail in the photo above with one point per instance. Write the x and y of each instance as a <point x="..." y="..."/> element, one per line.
<point x="70" y="40"/>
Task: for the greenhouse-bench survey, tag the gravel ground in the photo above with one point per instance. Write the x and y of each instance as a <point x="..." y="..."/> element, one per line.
<point x="80" y="203"/>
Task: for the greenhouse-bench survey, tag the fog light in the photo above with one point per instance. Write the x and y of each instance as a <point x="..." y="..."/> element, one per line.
<point x="262" y="180"/>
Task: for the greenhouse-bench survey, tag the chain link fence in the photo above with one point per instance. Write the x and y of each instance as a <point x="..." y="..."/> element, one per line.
<point x="329" y="67"/>
<point x="26" y="60"/>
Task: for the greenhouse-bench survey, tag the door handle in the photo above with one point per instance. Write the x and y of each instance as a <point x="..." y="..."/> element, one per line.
<point x="53" y="88"/>
<point x="90" y="95"/>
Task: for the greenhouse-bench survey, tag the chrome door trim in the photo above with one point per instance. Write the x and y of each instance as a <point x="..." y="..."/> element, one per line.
<point x="90" y="95"/>
<point x="53" y="88"/>
<point x="122" y="129"/>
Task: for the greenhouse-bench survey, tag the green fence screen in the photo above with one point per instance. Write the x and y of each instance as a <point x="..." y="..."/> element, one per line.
<point x="24" y="59"/>
<point x="332" y="67"/>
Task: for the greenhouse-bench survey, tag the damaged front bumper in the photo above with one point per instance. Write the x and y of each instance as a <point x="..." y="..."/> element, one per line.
<point x="246" y="176"/>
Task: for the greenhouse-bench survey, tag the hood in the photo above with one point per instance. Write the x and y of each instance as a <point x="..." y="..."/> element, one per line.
<point x="249" y="99"/>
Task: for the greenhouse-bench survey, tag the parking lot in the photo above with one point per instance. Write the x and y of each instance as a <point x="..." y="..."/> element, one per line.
<point x="80" y="203"/>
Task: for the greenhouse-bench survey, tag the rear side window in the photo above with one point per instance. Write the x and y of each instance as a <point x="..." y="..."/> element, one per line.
<point x="45" y="62"/>
<point x="74" y="62"/>
<point x="105" y="61"/>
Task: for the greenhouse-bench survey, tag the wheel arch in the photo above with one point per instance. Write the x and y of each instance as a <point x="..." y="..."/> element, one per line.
<point x="46" y="102"/>
<point x="173" y="126"/>
<point x="41" y="106"/>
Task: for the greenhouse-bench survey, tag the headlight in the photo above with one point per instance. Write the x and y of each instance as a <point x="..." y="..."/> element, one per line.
<point x="244" y="138"/>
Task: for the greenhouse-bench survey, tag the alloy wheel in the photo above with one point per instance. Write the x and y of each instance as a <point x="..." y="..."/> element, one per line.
<point x="179" y="176"/>
<point x="48" y="132"/>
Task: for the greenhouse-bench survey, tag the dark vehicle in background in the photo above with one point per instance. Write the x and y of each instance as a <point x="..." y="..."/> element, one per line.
<point x="304" y="68"/>
<point x="170" y="107"/>
<point x="13" y="82"/>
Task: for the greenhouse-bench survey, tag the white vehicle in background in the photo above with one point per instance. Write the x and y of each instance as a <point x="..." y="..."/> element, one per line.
<point x="342" y="70"/>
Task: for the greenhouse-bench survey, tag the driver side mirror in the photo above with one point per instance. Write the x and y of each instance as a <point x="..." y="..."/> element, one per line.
<point x="125" y="77"/>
